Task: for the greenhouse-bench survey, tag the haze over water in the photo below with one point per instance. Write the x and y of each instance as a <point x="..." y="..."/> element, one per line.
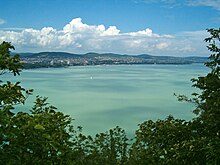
<point x="102" y="97"/>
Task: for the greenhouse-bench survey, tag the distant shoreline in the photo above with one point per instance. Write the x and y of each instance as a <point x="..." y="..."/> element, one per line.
<point x="40" y="67"/>
<point x="63" y="59"/>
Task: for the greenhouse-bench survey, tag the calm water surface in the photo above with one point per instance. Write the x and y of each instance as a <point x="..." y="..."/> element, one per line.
<point x="102" y="97"/>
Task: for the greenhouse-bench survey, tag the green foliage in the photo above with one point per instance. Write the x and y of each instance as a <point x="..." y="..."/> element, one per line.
<point x="158" y="142"/>
<point x="169" y="141"/>
<point x="10" y="94"/>
<point x="38" y="138"/>
<point x="110" y="148"/>
<point x="8" y="62"/>
<point x="209" y="100"/>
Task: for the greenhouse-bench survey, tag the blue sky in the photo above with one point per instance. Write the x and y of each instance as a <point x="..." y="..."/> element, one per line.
<point x="157" y="27"/>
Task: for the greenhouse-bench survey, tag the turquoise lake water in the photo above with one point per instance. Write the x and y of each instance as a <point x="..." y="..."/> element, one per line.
<point x="102" y="97"/>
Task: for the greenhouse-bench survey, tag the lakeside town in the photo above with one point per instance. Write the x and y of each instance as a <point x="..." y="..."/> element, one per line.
<point x="63" y="59"/>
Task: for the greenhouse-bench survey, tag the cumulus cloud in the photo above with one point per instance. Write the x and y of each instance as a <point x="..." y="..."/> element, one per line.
<point x="77" y="26"/>
<point x="79" y="37"/>
<point x="146" y="32"/>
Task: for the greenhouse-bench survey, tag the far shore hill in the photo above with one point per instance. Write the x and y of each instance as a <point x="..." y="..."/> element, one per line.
<point x="64" y="59"/>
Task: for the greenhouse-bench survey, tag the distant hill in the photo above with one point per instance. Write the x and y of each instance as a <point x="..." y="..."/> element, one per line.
<point x="93" y="55"/>
<point x="111" y="55"/>
<point x="196" y="59"/>
<point x="60" y="59"/>
<point x="49" y="55"/>
<point x="145" y="56"/>
<point x="23" y="54"/>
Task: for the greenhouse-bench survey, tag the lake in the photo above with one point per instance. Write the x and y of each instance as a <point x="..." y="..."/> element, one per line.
<point x="102" y="97"/>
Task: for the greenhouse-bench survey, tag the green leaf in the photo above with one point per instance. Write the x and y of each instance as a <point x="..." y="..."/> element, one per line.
<point x="39" y="127"/>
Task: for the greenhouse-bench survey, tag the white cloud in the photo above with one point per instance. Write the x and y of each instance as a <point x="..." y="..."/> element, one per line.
<point x="162" y="45"/>
<point x="174" y="3"/>
<point x="146" y="32"/>
<point x="111" y="31"/>
<point x="78" y="37"/>
<point x="2" y="21"/>
<point x="76" y="25"/>
<point x="211" y="3"/>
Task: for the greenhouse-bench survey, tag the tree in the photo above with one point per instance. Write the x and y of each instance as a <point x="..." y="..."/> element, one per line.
<point x="110" y="148"/>
<point x="10" y="94"/>
<point x="208" y="102"/>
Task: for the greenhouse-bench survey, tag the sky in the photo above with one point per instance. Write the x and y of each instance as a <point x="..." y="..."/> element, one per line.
<point x="156" y="27"/>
